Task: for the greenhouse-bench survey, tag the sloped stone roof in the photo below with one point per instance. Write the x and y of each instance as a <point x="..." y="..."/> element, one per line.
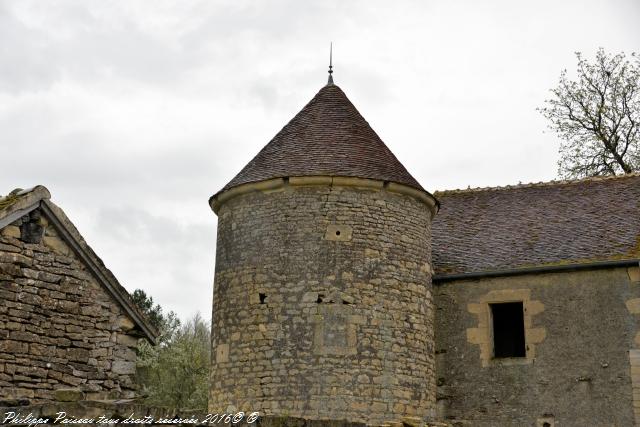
<point x="532" y="225"/>
<point x="20" y="202"/>
<point x="328" y="137"/>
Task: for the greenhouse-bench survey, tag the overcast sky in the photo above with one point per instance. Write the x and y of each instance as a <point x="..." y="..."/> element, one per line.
<point x="134" y="113"/>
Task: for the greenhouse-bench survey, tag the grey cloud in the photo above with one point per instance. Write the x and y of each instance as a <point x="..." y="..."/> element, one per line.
<point x="172" y="262"/>
<point x="133" y="114"/>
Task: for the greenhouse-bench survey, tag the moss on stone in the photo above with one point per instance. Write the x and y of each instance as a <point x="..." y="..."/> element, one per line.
<point x="10" y="199"/>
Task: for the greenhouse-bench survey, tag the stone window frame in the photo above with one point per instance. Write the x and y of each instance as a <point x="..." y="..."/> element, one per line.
<point x="482" y="334"/>
<point x="351" y="322"/>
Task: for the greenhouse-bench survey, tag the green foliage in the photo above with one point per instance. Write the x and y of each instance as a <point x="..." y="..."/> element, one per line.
<point x="597" y="116"/>
<point x="145" y="304"/>
<point x="174" y="373"/>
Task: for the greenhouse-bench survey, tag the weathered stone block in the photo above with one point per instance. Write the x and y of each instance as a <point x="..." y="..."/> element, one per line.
<point x="71" y="380"/>
<point x="29" y="298"/>
<point x="40" y="275"/>
<point x="57" y="244"/>
<point x="11" y="231"/>
<point x="24" y="336"/>
<point x="338" y="232"/>
<point x="124" y="353"/>
<point x="65" y="306"/>
<point x="12" y="270"/>
<point x="128" y="340"/>
<point x="13" y="326"/>
<point x="125" y="323"/>
<point x="74" y="329"/>
<point x="78" y="354"/>
<point x="9" y="248"/>
<point x="222" y="353"/>
<point x="90" y="310"/>
<point x="56" y="375"/>
<point x="123" y="367"/>
<point x="99" y="352"/>
<point x="20" y="393"/>
<point x="13" y="347"/>
<point x="68" y="395"/>
<point x="14" y="258"/>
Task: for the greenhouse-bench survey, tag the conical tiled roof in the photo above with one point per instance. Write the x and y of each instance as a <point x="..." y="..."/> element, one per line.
<point x="328" y="137"/>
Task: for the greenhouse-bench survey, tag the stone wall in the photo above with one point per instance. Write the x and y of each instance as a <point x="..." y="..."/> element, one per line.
<point x="322" y="305"/>
<point x="128" y="412"/>
<point x="580" y="333"/>
<point x="58" y="327"/>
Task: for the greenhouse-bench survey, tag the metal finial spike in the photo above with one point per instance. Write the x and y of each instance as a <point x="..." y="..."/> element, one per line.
<point x="330" y="64"/>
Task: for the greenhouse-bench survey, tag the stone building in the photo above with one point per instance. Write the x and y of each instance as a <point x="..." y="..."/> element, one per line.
<point x="537" y="293"/>
<point x="322" y="296"/>
<point x="344" y="290"/>
<point x="66" y="324"/>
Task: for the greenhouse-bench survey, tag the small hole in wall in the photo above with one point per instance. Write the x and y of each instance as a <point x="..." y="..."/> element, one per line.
<point x="337" y="232"/>
<point x="263" y="298"/>
<point x="320" y="298"/>
<point x="345" y="302"/>
<point x="546" y="424"/>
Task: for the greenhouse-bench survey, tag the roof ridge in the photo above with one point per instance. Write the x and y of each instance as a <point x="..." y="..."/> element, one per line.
<point x="538" y="184"/>
<point x="17" y="200"/>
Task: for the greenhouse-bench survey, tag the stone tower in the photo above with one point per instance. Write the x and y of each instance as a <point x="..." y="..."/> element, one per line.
<point x="322" y="302"/>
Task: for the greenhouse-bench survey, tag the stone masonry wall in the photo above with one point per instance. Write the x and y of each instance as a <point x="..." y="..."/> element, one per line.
<point x="581" y="334"/>
<point x="322" y="305"/>
<point x="58" y="327"/>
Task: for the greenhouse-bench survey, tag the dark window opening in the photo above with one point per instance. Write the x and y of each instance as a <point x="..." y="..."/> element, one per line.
<point x="508" y="330"/>
<point x="320" y="298"/>
<point x="263" y="298"/>
<point x="338" y="233"/>
<point x="546" y="424"/>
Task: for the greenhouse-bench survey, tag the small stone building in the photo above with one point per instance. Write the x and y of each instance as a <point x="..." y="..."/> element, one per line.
<point x="65" y="321"/>
<point x="344" y="290"/>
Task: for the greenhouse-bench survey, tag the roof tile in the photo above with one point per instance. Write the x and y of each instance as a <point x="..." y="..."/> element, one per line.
<point x="327" y="137"/>
<point x="595" y="219"/>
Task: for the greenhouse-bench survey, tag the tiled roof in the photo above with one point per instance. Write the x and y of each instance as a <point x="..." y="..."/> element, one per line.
<point x="327" y="137"/>
<point x="544" y="224"/>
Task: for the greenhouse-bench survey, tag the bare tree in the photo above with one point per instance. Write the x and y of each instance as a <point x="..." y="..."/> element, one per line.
<point x="597" y="117"/>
